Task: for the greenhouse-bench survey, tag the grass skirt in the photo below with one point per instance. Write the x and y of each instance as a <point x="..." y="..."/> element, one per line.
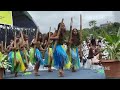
<point x="21" y="66"/>
<point x="60" y="56"/>
<point x="75" y="58"/>
<point x="37" y="57"/>
<point x="47" y="57"/>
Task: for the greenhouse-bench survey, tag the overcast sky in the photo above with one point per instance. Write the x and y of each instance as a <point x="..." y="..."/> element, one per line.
<point x="45" y="19"/>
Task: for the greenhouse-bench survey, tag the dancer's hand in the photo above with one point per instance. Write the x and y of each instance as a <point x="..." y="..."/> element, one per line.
<point x="54" y="38"/>
<point x="14" y="48"/>
<point x="70" y="42"/>
<point x="3" y="52"/>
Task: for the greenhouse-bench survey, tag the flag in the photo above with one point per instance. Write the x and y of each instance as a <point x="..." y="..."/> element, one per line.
<point x="6" y="18"/>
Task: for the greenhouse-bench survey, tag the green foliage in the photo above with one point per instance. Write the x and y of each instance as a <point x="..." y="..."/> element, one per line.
<point x="111" y="33"/>
<point x="92" y="23"/>
<point x="113" y="46"/>
<point x="85" y="33"/>
<point x="110" y="29"/>
<point x="4" y="62"/>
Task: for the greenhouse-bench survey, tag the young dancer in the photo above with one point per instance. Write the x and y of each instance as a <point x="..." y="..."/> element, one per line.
<point x="24" y="49"/>
<point x="15" y="57"/>
<point x="60" y="55"/>
<point x="49" y="53"/>
<point x="36" y="55"/>
<point x="75" y="42"/>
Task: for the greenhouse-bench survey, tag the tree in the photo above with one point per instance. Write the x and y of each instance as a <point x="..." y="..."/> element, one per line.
<point x="85" y="33"/>
<point x="92" y="23"/>
<point x="116" y="24"/>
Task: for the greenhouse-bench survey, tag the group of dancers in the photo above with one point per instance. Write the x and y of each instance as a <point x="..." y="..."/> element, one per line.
<point x="20" y="53"/>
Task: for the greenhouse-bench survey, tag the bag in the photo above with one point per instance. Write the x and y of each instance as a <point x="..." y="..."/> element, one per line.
<point x="88" y="64"/>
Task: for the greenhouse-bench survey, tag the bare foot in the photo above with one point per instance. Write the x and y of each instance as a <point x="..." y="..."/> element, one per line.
<point x="36" y="73"/>
<point x="16" y="74"/>
<point x="49" y="70"/>
<point x="61" y="73"/>
<point x="73" y="69"/>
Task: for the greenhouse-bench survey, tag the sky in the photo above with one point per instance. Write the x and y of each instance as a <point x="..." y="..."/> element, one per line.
<point x="47" y="19"/>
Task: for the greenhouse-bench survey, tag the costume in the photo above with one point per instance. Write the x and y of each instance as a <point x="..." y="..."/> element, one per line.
<point x="60" y="55"/>
<point x="48" y="55"/>
<point x="36" y="57"/>
<point x="16" y="67"/>
<point x="75" y="60"/>
<point x="23" y="53"/>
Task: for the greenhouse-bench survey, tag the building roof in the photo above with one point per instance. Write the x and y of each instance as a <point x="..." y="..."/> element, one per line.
<point x="23" y="19"/>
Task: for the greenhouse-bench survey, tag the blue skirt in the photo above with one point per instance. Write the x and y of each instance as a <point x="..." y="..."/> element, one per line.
<point x="10" y="56"/>
<point x="75" y="58"/>
<point x="38" y="56"/>
<point x="48" y="55"/>
<point x="60" y="56"/>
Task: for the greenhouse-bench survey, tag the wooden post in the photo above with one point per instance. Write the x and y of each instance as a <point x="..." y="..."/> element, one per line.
<point x="24" y="47"/>
<point x="15" y="46"/>
<point x="70" y="37"/>
<point x="36" y="37"/>
<point x="47" y="46"/>
<point x="81" y="37"/>
<point x="71" y="23"/>
<point x="2" y="46"/>
<point x="5" y="37"/>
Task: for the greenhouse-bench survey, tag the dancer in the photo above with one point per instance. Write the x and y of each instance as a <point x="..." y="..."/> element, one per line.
<point x="49" y="53"/>
<point x="59" y="54"/>
<point x="75" y="42"/>
<point x="36" y="55"/>
<point x="24" y="49"/>
<point x="15" y="57"/>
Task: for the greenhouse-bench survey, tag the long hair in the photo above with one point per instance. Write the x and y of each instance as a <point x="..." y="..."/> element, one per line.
<point x="63" y="29"/>
<point x="91" y="54"/>
<point x="93" y="42"/>
<point x="40" y="38"/>
<point x="47" y="36"/>
<point x="62" y="32"/>
<point x="75" y="38"/>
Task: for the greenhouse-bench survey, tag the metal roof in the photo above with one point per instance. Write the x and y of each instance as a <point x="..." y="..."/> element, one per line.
<point x="23" y="19"/>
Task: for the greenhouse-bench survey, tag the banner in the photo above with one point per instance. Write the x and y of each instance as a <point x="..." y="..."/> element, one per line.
<point x="6" y="18"/>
